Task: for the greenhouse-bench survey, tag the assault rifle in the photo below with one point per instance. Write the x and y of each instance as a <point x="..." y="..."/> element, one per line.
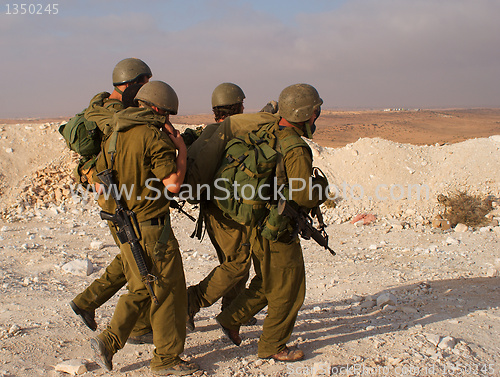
<point x="178" y="206"/>
<point x="304" y="224"/>
<point x="127" y="225"/>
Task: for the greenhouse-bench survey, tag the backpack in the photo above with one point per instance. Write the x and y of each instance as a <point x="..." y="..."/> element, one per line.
<point x="243" y="186"/>
<point x="81" y="135"/>
<point x="213" y="142"/>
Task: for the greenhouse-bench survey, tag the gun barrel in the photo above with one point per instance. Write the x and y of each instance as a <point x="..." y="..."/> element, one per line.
<point x="107" y="216"/>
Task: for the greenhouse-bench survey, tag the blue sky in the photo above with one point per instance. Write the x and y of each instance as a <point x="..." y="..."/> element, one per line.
<point x="357" y="53"/>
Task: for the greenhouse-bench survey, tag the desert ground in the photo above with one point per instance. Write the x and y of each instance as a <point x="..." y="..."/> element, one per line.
<point x="401" y="297"/>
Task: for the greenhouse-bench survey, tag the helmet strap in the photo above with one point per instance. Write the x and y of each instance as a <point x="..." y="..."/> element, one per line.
<point x="119" y="90"/>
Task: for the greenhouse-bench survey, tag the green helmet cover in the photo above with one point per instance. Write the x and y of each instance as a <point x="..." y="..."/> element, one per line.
<point x="298" y="102"/>
<point x="227" y="94"/>
<point x="159" y="94"/>
<point x="128" y="70"/>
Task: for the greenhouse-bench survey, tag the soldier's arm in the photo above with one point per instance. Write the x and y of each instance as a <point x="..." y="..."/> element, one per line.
<point x="174" y="181"/>
<point x="298" y="165"/>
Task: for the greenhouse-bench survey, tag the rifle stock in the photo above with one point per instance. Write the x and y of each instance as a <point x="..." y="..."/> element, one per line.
<point x="126" y="224"/>
<point x="304" y="225"/>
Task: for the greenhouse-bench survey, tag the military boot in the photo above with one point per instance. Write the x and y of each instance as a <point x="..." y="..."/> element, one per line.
<point x="87" y="317"/>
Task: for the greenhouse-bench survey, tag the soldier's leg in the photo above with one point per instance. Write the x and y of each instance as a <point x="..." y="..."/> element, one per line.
<point x="252" y="299"/>
<point x="102" y="288"/>
<point x="230" y="241"/>
<point x="107" y="285"/>
<point x="168" y="318"/>
<point x="284" y="285"/>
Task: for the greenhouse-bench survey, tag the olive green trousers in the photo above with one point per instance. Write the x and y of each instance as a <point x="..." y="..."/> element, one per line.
<point x="229" y="278"/>
<point x="279" y="284"/>
<point x="104" y="287"/>
<point x="168" y="319"/>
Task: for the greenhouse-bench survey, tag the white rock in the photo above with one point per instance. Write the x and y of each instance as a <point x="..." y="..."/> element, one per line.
<point x="386" y="299"/>
<point x="74" y="367"/>
<point x="485" y="229"/>
<point x="9" y="150"/>
<point x="96" y="245"/>
<point x="14" y="329"/>
<point x="82" y="267"/>
<point x="373" y="247"/>
<point x="461" y="228"/>
<point x="492" y="272"/>
<point x="4" y="229"/>
<point x="495" y="138"/>
<point x="447" y="342"/>
<point x="452" y="241"/>
<point x="321" y="369"/>
<point x="258" y="363"/>
<point x="433" y="339"/>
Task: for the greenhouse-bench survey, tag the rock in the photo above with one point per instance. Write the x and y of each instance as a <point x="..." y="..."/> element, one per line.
<point x="386" y="299"/>
<point x="14" y="330"/>
<point x="96" y="245"/>
<point x="447" y="343"/>
<point x="485" y="229"/>
<point x="321" y="369"/>
<point x="74" y="367"/>
<point x="495" y="138"/>
<point x="433" y="339"/>
<point x="461" y="228"/>
<point x="258" y="363"/>
<point x="492" y="272"/>
<point x="441" y="223"/>
<point x="368" y="304"/>
<point x="451" y="241"/>
<point x="408" y="310"/>
<point x="9" y="150"/>
<point x="356" y="298"/>
<point x="82" y="267"/>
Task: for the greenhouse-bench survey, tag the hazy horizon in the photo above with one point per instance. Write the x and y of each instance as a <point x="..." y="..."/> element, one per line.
<point x="359" y="54"/>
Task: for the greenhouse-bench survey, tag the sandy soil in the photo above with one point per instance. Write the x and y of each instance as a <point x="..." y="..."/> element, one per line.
<point x="443" y="318"/>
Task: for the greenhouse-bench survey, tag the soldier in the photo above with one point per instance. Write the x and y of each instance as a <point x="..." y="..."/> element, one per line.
<point x="279" y="283"/>
<point x="127" y="75"/>
<point x="150" y="156"/>
<point x="230" y="277"/>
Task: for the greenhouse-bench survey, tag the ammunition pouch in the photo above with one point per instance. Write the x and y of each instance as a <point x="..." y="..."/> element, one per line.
<point x="275" y="225"/>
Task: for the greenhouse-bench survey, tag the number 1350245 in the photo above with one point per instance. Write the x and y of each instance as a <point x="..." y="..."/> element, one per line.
<point x="21" y="9"/>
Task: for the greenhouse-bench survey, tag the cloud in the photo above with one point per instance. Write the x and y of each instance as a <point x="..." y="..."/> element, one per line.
<point x="364" y="53"/>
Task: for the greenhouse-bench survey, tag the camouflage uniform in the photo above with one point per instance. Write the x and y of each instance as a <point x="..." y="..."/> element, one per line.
<point x="229" y="238"/>
<point x="279" y="283"/>
<point x="101" y="110"/>
<point x="143" y="153"/>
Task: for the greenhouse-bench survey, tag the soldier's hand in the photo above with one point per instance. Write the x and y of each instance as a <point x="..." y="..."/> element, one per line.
<point x="177" y="139"/>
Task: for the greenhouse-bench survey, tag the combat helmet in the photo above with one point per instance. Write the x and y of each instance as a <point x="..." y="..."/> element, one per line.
<point x="227" y="94"/>
<point x="159" y="94"/>
<point x="129" y="70"/>
<point x="298" y="102"/>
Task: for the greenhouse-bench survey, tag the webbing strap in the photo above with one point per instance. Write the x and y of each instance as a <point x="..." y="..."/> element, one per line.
<point x="112" y="147"/>
<point x="165" y="233"/>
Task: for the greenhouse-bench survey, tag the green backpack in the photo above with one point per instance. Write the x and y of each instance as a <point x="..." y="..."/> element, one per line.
<point x="248" y="165"/>
<point x="81" y="135"/>
<point x="243" y="186"/>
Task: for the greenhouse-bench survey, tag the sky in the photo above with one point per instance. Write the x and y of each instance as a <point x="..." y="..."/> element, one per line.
<point x="357" y="53"/>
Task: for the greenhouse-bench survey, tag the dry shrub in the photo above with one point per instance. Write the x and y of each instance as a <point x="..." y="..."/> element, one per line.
<point x="461" y="207"/>
<point x="329" y="203"/>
